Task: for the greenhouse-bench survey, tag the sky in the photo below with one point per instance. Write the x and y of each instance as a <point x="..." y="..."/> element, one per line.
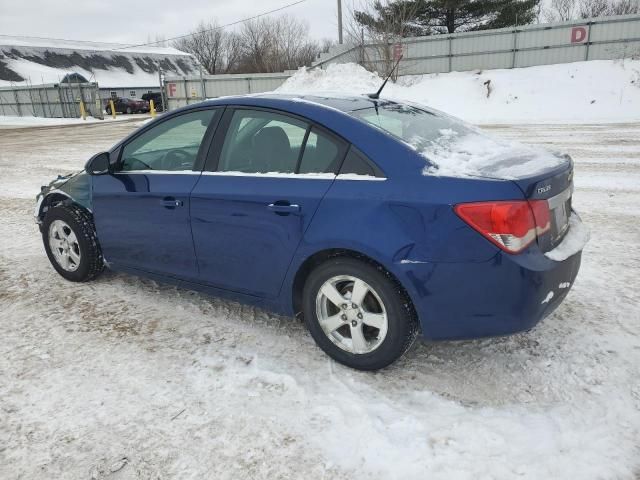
<point x="140" y="20"/>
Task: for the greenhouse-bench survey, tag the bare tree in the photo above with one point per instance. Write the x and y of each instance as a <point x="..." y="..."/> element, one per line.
<point x="625" y="7"/>
<point x="211" y="46"/>
<point x="560" y="11"/>
<point x="256" y="41"/>
<point x="268" y="44"/>
<point x="376" y="35"/>
<point x="566" y="9"/>
<point x="276" y="44"/>
<point x="593" y="8"/>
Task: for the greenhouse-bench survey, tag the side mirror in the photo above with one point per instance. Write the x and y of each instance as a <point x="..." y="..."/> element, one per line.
<point x="99" y="164"/>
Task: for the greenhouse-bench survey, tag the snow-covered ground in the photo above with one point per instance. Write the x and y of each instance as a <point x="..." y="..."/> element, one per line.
<point x="582" y="92"/>
<point x="22" y="122"/>
<point x="125" y="378"/>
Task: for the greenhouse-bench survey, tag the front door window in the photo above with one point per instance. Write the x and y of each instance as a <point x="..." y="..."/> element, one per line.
<point x="170" y="146"/>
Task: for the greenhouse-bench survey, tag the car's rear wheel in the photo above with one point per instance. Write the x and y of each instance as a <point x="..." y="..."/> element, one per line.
<point x="129" y="111"/>
<point x="71" y="243"/>
<point x="358" y="314"/>
<point x="108" y="110"/>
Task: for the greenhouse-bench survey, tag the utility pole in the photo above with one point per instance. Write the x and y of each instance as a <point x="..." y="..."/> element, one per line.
<point x="340" y="22"/>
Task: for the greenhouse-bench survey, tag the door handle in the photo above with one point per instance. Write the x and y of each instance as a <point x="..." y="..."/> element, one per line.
<point x="283" y="208"/>
<point x="170" y="202"/>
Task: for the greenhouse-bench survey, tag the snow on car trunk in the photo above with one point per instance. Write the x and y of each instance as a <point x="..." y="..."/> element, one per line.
<point x="472" y="153"/>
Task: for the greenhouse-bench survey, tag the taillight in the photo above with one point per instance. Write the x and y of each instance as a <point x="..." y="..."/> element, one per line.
<point x="511" y="225"/>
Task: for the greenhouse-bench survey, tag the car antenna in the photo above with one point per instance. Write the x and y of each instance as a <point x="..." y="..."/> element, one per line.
<point x="376" y="96"/>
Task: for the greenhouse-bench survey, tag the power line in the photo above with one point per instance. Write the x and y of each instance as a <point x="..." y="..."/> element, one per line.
<point x="289" y="5"/>
<point x="32" y="37"/>
<point x="125" y="46"/>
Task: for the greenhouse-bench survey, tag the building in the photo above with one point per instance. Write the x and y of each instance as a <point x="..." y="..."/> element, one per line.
<point x="117" y="69"/>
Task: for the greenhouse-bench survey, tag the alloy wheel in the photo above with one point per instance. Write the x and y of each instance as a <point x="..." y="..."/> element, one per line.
<point x="64" y="245"/>
<point x="351" y="314"/>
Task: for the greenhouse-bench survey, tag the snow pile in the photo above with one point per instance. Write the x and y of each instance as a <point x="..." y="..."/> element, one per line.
<point x="597" y="91"/>
<point x="342" y="78"/>
<point x="574" y="242"/>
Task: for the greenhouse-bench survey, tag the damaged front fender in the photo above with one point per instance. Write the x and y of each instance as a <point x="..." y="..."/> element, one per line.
<point x="73" y="188"/>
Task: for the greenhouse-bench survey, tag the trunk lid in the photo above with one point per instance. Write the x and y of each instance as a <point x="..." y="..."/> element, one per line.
<point x="555" y="185"/>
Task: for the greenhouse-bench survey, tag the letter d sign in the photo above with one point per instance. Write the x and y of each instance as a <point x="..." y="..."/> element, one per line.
<point x="578" y="34"/>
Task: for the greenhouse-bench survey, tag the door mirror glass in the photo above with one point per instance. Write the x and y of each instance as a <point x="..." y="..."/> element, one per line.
<point x="99" y="164"/>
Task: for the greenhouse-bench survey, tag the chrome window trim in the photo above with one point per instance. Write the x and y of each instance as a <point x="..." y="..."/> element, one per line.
<point x="299" y="176"/>
<point x="312" y="176"/>
<point x="157" y="172"/>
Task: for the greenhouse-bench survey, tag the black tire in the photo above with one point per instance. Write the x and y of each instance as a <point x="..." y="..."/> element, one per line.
<point x="80" y="222"/>
<point x="401" y="319"/>
<point x="129" y="111"/>
<point x="108" y="110"/>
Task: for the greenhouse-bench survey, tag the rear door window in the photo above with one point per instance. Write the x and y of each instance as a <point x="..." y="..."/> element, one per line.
<point x="262" y="142"/>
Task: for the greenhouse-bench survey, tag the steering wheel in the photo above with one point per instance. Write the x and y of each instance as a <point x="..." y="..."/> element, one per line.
<point x="177" y="159"/>
<point x="133" y="160"/>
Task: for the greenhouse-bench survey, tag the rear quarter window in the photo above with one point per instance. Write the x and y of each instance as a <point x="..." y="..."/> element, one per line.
<point x="356" y="163"/>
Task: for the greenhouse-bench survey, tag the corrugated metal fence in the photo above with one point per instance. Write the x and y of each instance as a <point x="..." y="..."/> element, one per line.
<point x="594" y="39"/>
<point x="55" y="100"/>
<point x="542" y="44"/>
<point x="182" y="91"/>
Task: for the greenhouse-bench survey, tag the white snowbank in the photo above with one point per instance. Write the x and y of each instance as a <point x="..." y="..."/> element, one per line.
<point x="599" y="91"/>
<point x="574" y="242"/>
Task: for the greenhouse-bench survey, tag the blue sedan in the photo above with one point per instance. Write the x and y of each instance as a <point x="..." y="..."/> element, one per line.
<point x="373" y="220"/>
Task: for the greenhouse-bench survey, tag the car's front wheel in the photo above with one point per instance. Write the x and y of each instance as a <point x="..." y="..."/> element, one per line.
<point x="358" y="314"/>
<point x="71" y="243"/>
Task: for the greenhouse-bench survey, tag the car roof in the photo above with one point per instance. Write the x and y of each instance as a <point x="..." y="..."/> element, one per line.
<point x="332" y="101"/>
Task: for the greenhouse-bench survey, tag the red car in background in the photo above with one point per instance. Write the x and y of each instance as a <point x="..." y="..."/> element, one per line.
<point x="127" y="105"/>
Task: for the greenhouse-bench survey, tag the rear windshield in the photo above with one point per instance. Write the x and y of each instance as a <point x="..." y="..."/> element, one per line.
<point x="453" y="148"/>
<point x="415" y="126"/>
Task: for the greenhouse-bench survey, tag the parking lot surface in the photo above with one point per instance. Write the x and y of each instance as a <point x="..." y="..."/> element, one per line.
<point x="125" y="378"/>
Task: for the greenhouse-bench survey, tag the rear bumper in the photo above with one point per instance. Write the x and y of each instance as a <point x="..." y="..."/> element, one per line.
<point x="505" y="295"/>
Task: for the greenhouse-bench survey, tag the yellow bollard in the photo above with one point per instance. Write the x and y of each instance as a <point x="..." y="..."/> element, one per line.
<point x="152" y="108"/>
<point x="83" y="112"/>
<point x="113" y="108"/>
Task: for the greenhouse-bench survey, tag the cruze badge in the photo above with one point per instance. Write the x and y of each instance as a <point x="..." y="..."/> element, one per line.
<point x="544" y="189"/>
